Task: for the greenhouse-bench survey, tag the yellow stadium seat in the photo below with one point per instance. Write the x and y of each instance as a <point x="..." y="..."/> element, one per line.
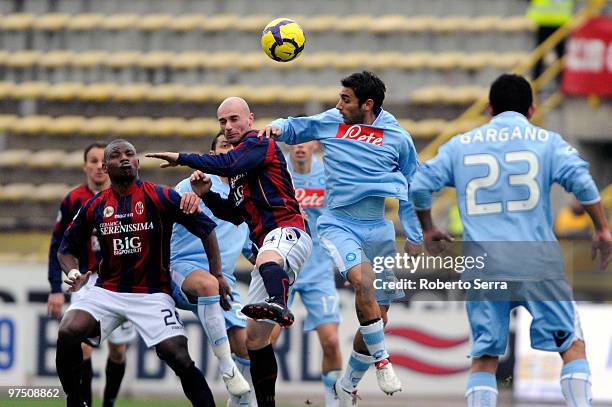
<point x="428" y="95"/>
<point x="266" y="94"/>
<point x="85" y="22"/>
<point x="427" y="128"/>
<point x="23" y="59"/>
<point x="51" y="21"/>
<point x="323" y="23"/>
<point x="316" y="61"/>
<point x="73" y="159"/>
<point x="165" y="93"/>
<point x="254" y="23"/>
<point x="154" y="22"/>
<point x="197" y="93"/>
<point x="420" y="24"/>
<point x="220" y="22"/>
<point x="388" y="24"/>
<point x="6" y="89"/>
<point x="30" y="90"/>
<point x="384" y="60"/>
<point x="166" y="127"/>
<point x="199" y="127"/>
<point x="51" y="192"/>
<point x="4" y="56"/>
<point x="17" y="22"/>
<point x="251" y="61"/>
<point x="132" y="92"/>
<point x="508" y="60"/>
<point x="98" y="126"/>
<point x="516" y="24"/>
<point x="352" y="60"/>
<point x="97" y="92"/>
<point x="224" y="92"/>
<point x="463" y="95"/>
<point x="449" y="24"/>
<point x="55" y="59"/>
<point x="132" y="126"/>
<point x="413" y="61"/>
<point x="89" y="59"/>
<point x="45" y="159"/>
<point x="186" y="23"/>
<point x="476" y="61"/>
<point x="155" y="60"/>
<point x="189" y="60"/>
<point x="353" y="23"/>
<point x="17" y="192"/>
<point x="326" y="95"/>
<point x="119" y="22"/>
<point x="7" y="121"/>
<point x="13" y="158"/>
<point x="31" y="125"/>
<point x="483" y="24"/>
<point x="445" y="60"/>
<point x="122" y="59"/>
<point x="297" y="94"/>
<point x="65" y="125"/>
<point x="63" y="91"/>
<point x="222" y="60"/>
<point x="262" y="122"/>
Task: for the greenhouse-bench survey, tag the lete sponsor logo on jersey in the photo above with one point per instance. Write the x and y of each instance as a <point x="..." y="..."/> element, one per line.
<point x="360" y="132"/>
<point x="310" y="198"/>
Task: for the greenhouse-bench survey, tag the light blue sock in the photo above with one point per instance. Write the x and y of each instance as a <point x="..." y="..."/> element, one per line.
<point x="374" y="338"/>
<point x="576" y="383"/>
<point x="329" y="381"/>
<point x="244" y="366"/>
<point x="358" y="364"/>
<point x="481" y="390"/>
<point x="211" y="317"/>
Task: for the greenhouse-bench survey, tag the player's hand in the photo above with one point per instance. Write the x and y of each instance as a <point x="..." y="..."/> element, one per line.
<point x="190" y="203"/>
<point x="224" y="292"/>
<point x="413" y="249"/>
<point x="171" y="158"/>
<point x="602" y="242"/>
<point x="269" y="131"/>
<point x="78" y="281"/>
<point x="434" y="240"/>
<point x="55" y="305"/>
<point x="200" y="183"/>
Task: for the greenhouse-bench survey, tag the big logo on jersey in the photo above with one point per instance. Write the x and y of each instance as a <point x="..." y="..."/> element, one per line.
<point x="310" y="198"/>
<point x="360" y="132"/>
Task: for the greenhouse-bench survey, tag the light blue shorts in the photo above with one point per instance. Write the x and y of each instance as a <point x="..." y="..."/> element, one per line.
<point x="321" y="301"/>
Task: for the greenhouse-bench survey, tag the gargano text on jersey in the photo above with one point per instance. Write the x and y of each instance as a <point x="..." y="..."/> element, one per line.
<point x="493" y="135"/>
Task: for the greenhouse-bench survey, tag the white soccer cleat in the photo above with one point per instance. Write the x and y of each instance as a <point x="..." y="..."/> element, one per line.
<point x="346" y="398"/>
<point x="235" y="383"/>
<point x="387" y="380"/>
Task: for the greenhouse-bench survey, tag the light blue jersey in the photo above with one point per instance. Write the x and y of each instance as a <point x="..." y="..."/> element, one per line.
<point x="503" y="172"/>
<point x="360" y="161"/>
<point x="233" y="240"/>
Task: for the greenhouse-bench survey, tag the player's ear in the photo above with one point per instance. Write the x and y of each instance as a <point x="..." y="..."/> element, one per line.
<point x="104" y="168"/>
<point x="490" y="109"/>
<point x="368" y="105"/>
<point x="531" y="111"/>
<point x="251" y="119"/>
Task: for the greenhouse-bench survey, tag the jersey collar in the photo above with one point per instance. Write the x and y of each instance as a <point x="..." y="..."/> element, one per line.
<point x="509" y="117"/>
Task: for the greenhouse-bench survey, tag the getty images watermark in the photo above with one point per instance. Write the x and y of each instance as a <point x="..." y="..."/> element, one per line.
<point x="422" y="262"/>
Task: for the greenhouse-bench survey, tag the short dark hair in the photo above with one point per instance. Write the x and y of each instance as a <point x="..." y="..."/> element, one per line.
<point x="213" y="145"/>
<point x="511" y="92"/>
<point x="112" y="143"/>
<point x="96" y="144"/>
<point x="366" y="85"/>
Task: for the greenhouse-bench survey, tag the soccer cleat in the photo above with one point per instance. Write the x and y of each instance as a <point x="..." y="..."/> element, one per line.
<point x="235" y="383"/>
<point x="346" y="398"/>
<point x="387" y="380"/>
<point x="269" y="310"/>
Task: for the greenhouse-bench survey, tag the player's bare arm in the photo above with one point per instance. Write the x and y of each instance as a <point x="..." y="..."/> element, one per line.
<point x="200" y="183"/>
<point x="433" y="237"/>
<point x="602" y="240"/>
<point x="70" y="266"/>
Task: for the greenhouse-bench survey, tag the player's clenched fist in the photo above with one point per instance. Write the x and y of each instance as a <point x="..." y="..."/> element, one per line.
<point x="76" y="280"/>
<point x="200" y="183"/>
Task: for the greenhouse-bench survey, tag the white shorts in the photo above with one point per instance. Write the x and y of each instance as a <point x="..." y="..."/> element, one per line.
<point x="153" y="315"/>
<point x="124" y="333"/>
<point x="294" y="246"/>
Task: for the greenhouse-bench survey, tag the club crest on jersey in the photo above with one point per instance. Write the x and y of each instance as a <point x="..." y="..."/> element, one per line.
<point x="310" y="198"/>
<point x="360" y="132"/>
<point x="139" y="208"/>
<point x="109" y="211"/>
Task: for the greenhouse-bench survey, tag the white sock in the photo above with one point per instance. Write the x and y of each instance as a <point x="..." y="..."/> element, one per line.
<point x="244" y="366"/>
<point x="576" y="383"/>
<point x="481" y="390"/>
<point x="211" y="317"/>
<point x="329" y="381"/>
<point x="357" y="365"/>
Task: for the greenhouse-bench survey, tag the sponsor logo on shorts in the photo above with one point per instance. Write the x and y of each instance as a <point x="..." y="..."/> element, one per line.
<point x="359" y="132"/>
<point x="109" y="211"/>
<point x="310" y="198"/>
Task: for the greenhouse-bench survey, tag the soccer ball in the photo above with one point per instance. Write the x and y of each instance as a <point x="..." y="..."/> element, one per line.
<point x="282" y="40"/>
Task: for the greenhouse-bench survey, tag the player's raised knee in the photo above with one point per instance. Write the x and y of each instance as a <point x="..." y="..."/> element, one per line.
<point x="330" y="343"/>
<point x="201" y="284"/>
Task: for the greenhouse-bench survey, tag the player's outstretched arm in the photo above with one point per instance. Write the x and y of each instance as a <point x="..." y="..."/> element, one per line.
<point x="297" y="130"/>
<point x="602" y="240"/>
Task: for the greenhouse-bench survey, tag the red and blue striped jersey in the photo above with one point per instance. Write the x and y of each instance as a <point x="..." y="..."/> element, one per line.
<point x="89" y="255"/>
<point x="261" y="188"/>
<point x="134" y="232"/>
